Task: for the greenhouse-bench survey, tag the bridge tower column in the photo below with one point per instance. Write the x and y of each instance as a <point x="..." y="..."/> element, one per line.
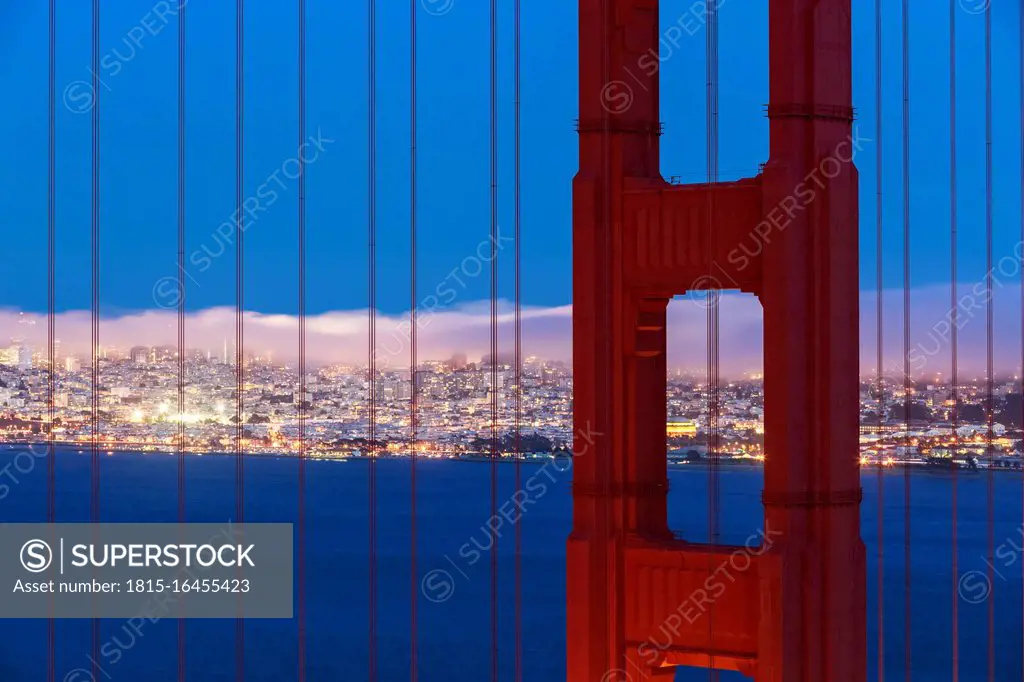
<point x="796" y="611"/>
<point x="615" y="486"/>
<point x="815" y="628"/>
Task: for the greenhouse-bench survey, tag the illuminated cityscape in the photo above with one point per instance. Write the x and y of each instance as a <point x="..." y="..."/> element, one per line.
<point x="139" y="411"/>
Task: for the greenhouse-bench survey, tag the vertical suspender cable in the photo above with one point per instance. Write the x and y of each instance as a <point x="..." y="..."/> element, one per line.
<point x="907" y="383"/>
<point x="879" y="345"/>
<point x="181" y="306"/>
<point x="954" y="338"/>
<point x="518" y="341"/>
<point x="1020" y="43"/>
<point x="713" y="300"/>
<point x="51" y="308"/>
<point x="494" y="334"/>
<point x="301" y="657"/>
<point x="240" y="304"/>
<point x="989" y="326"/>
<point x="414" y="592"/>
<point x="95" y="303"/>
<point x="372" y="336"/>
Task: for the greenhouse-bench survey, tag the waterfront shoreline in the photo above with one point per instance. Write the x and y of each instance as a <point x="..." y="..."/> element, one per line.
<point x="478" y="458"/>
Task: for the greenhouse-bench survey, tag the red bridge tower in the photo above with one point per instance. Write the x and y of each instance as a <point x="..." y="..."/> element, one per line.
<point x="639" y="599"/>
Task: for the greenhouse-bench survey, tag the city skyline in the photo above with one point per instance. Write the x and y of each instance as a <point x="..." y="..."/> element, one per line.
<point x="138" y="409"/>
<point x="464" y="327"/>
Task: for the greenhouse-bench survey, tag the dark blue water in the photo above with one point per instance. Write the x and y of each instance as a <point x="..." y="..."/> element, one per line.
<point x="454" y="505"/>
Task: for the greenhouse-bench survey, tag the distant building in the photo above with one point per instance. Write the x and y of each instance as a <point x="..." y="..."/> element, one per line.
<point x="403" y="390"/>
<point x="113" y="353"/>
<point x="680" y="427"/>
<point x="24" y="357"/>
<point x="17" y="355"/>
<point x="165" y="354"/>
<point x="139" y="355"/>
<point x="72" y="364"/>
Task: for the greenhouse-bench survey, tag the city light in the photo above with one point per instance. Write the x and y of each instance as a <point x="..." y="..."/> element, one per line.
<point x="140" y="407"/>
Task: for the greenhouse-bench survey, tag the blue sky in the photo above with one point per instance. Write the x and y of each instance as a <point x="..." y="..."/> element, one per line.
<point x="139" y="127"/>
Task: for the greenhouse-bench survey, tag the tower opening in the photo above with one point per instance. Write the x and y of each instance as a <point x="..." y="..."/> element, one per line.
<point x="698" y="463"/>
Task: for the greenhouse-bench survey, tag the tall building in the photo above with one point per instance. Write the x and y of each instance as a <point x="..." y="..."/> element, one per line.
<point x="403" y="390"/>
<point x="24" y="357"/>
<point x="140" y="355"/>
<point x="18" y="355"/>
